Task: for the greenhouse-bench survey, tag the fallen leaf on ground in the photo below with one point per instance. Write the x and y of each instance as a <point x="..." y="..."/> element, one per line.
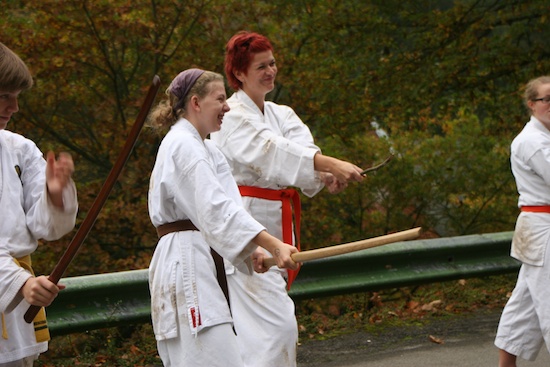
<point x="436" y="340"/>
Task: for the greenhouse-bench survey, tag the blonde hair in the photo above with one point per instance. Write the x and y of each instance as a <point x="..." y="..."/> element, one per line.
<point x="164" y="115"/>
<point x="14" y="74"/>
<point x="532" y="89"/>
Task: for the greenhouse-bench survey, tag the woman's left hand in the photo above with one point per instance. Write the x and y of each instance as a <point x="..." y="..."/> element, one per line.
<point x="258" y="257"/>
<point x="332" y="184"/>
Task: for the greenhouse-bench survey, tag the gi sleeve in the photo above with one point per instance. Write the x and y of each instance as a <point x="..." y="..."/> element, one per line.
<point x="225" y="225"/>
<point x="275" y="158"/>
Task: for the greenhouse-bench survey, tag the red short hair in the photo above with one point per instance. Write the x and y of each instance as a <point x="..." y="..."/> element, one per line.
<point x="239" y="52"/>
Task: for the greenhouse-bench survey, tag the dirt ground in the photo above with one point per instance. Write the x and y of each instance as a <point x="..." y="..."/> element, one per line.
<point x="349" y="349"/>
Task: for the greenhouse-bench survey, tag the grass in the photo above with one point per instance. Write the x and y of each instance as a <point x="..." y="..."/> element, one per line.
<point x="322" y="318"/>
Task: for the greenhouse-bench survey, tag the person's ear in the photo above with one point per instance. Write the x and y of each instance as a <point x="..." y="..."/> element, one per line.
<point x="531" y="105"/>
<point x="194" y="103"/>
<point x="239" y="76"/>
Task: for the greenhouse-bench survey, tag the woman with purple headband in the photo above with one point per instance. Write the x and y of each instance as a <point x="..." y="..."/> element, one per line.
<point x="195" y="205"/>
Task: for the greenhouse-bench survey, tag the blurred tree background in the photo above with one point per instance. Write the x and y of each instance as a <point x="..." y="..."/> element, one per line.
<point x="442" y="78"/>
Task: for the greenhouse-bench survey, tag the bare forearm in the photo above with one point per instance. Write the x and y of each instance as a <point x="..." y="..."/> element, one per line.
<point x="267" y="241"/>
<point x="324" y="163"/>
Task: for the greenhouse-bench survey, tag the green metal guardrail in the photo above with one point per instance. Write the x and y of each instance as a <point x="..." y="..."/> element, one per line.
<point x="105" y="300"/>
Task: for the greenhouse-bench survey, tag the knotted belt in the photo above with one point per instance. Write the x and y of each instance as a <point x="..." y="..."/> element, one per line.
<point x="536" y="208"/>
<point x="289" y="198"/>
<point x="41" y="331"/>
<point x="187" y="225"/>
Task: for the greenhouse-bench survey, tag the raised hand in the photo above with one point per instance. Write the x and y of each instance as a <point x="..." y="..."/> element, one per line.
<point x="58" y="175"/>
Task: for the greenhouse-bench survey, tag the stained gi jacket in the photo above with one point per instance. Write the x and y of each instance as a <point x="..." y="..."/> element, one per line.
<point x="530" y="161"/>
<point x="192" y="180"/>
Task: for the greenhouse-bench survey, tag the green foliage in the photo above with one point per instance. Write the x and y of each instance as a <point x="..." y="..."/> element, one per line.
<point x="443" y="78"/>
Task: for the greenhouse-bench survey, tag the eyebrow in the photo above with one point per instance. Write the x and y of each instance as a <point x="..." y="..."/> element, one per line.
<point x="264" y="62"/>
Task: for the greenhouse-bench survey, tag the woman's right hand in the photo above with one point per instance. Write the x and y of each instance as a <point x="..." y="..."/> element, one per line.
<point x="280" y="251"/>
<point x="343" y="171"/>
<point x="282" y="254"/>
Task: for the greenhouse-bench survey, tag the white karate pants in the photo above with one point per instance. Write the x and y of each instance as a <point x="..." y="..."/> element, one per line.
<point x="525" y="322"/>
<point x="263" y="314"/>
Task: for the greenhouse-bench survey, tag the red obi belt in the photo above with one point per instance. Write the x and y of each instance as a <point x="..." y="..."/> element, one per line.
<point x="536" y="209"/>
<point x="289" y="198"/>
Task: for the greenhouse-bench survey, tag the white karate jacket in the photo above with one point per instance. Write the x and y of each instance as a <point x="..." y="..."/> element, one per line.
<point x="25" y="216"/>
<point x="192" y="180"/>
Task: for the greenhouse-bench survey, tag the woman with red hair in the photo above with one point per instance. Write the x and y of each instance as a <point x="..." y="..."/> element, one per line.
<point x="269" y="149"/>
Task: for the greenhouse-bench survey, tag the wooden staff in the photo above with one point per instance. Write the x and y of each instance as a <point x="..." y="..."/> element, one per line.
<point x="305" y="256"/>
<point x="89" y="221"/>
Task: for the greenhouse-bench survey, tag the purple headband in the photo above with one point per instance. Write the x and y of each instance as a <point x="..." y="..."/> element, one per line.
<point x="182" y="83"/>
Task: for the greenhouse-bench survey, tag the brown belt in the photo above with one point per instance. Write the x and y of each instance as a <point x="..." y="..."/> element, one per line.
<point x="177" y="226"/>
<point x="187" y="225"/>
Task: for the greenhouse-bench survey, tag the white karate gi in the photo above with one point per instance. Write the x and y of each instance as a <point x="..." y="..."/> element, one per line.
<point x="525" y="322"/>
<point x="273" y="150"/>
<point x="192" y="180"/>
<point x="26" y="215"/>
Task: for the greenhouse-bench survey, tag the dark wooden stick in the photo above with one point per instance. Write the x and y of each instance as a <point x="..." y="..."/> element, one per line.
<point x="90" y="219"/>
<point x="380" y="165"/>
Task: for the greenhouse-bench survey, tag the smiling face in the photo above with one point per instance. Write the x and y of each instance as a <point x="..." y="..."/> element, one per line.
<point x="259" y="78"/>
<point x="8" y="106"/>
<point x="211" y="108"/>
<point x="541" y="109"/>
